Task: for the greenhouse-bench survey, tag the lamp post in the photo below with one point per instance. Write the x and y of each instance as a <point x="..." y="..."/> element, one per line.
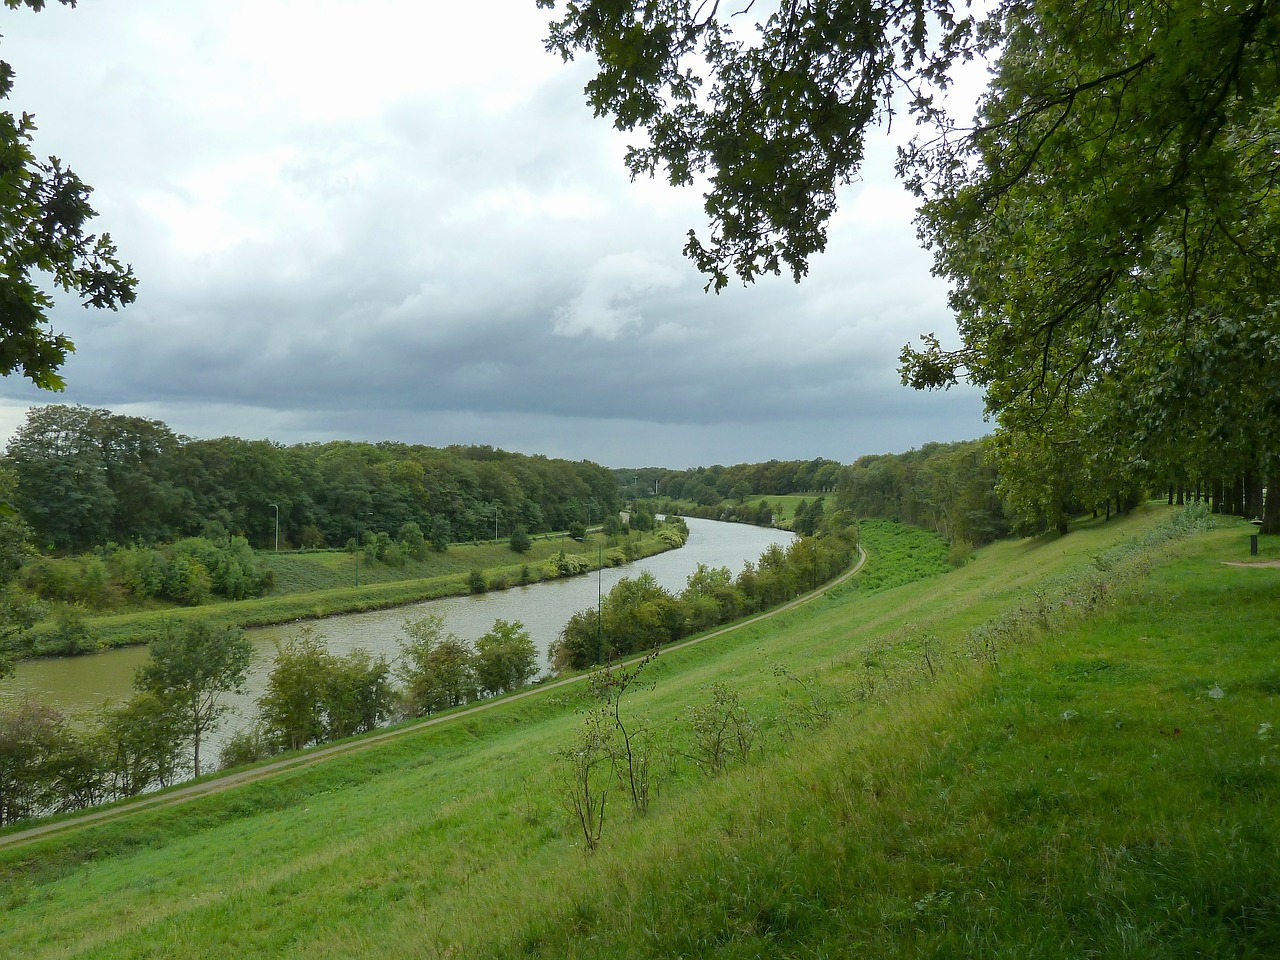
<point x="599" y="599"/>
<point x="276" y="508"/>
<point x="359" y="520"/>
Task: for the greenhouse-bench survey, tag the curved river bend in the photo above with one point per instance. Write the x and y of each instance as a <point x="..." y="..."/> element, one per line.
<point x="81" y="683"/>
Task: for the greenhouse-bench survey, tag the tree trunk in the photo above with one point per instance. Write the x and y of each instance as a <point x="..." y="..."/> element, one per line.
<point x="1271" y="509"/>
<point x="1252" y="496"/>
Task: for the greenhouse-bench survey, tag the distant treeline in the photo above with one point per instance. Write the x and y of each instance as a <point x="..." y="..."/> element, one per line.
<point x="972" y="491"/>
<point x="707" y="486"/>
<point x="950" y="488"/>
<point x="85" y="477"/>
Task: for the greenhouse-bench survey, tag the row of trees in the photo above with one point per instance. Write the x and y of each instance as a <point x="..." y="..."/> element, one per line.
<point x="86" y="477"/>
<point x="707" y="486"/>
<point x="976" y="491"/>
<point x="638" y="614"/>
<point x="50" y="762"/>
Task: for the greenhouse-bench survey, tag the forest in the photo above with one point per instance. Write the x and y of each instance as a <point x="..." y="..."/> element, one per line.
<point x="83" y="478"/>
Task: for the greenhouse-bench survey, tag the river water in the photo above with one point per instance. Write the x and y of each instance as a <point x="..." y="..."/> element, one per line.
<point x="81" y="683"/>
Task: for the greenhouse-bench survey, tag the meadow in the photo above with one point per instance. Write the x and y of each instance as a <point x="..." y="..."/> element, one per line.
<point x="1066" y="747"/>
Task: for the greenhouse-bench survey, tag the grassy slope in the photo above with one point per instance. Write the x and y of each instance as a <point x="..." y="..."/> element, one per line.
<point x="1084" y="794"/>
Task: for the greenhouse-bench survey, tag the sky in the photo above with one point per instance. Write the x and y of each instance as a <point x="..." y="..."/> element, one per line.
<point x="397" y="220"/>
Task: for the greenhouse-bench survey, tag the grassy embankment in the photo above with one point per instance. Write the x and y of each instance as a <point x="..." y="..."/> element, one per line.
<point x="784" y="504"/>
<point x="1068" y="747"/>
<point x="313" y="584"/>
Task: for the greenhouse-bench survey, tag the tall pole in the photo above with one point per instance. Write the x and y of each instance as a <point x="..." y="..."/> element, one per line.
<point x="357" y="552"/>
<point x="599" y="598"/>
<point x="276" y="507"/>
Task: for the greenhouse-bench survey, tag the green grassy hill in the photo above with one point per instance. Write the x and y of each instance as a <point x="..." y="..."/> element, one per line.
<point x="1069" y="747"/>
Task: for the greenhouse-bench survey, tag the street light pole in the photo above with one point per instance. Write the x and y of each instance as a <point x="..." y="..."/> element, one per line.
<point x="276" y="507"/>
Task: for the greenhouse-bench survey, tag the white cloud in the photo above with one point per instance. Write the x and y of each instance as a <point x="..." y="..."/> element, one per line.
<point x="615" y="287"/>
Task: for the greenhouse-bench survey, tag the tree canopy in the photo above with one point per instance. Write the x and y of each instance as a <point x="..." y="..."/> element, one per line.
<point x="44" y="216"/>
<point x="1107" y="220"/>
<point x="772" y="111"/>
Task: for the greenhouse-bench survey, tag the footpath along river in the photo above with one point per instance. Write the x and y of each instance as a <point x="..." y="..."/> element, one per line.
<point x="82" y="683"/>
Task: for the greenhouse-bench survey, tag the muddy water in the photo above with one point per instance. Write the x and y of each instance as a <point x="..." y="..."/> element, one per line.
<point x="83" y="683"/>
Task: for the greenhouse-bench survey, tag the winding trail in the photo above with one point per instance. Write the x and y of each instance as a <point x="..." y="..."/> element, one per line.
<point x="218" y="784"/>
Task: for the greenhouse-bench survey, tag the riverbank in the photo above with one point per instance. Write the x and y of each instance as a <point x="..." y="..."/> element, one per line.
<point x="992" y="761"/>
<point x="559" y="559"/>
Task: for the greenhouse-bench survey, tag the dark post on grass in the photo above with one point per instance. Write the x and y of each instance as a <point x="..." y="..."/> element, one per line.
<point x="1253" y="544"/>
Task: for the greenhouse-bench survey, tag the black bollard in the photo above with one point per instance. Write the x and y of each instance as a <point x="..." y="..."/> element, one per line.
<point x="1253" y="545"/>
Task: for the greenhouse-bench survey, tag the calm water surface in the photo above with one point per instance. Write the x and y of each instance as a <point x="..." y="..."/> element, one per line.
<point x="82" y="683"/>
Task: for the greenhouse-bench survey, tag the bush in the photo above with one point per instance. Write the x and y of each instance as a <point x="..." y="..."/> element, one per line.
<point x="520" y="541"/>
<point x="438" y="670"/>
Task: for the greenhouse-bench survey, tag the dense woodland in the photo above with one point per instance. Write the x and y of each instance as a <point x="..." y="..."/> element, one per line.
<point x="972" y="491"/>
<point x="82" y="478"/>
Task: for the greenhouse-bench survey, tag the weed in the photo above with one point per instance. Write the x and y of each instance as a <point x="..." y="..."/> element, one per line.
<point x="723" y="731"/>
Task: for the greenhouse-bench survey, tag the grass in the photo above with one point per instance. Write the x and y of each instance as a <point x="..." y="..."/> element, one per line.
<point x="784" y="504"/>
<point x="313" y="570"/>
<point x="1099" y="783"/>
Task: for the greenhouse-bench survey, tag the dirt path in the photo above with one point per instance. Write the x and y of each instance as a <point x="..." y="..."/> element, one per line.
<point x="218" y="784"/>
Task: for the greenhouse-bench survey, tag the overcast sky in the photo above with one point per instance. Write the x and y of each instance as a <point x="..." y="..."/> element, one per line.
<point x="395" y="220"/>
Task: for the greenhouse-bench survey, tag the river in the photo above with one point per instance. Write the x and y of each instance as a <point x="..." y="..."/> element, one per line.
<point x="81" y="683"/>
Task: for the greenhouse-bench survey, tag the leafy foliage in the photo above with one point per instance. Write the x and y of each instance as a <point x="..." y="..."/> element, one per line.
<point x="44" y="213"/>
<point x="190" y="667"/>
<point x="437" y="670"/>
<point x="772" y="114"/>
<point x="638" y="614"/>
<point x="506" y="658"/>
<point x="85" y="477"/>
<point x="314" y="696"/>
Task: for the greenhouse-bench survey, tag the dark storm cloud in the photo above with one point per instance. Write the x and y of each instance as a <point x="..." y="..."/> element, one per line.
<point x="361" y="226"/>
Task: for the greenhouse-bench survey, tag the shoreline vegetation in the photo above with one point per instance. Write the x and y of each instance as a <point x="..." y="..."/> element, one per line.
<point x="551" y="557"/>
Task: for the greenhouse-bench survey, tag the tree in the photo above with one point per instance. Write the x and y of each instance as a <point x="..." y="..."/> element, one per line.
<point x="292" y="705"/>
<point x="775" y="121"/>
<point x="506" y="658"/>
<point x="1108" y="222"/>
<point x="30" y="739"/>
<point x="437" y="669"/>
<point x="62" y="488"/>
<point x="1109" y="229"/>
<point x="191" y="666"/>
<point x="520" y="542"/>
<point x="142" y="743"/>
<point x="313" y="696"/>
<point x="44" y="211"/>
